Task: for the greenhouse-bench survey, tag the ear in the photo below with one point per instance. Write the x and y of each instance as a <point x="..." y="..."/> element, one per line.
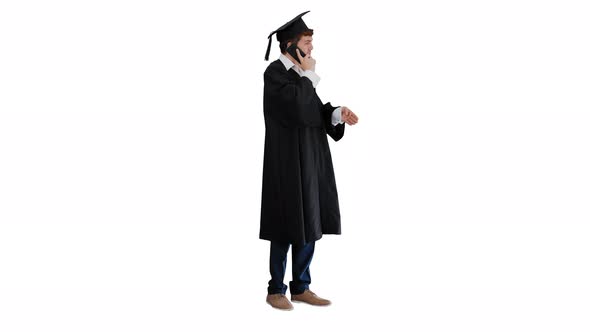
<point x="289" y="44"/>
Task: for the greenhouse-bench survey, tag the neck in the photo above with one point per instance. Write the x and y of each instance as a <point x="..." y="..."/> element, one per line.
<point x="295" y="62"/>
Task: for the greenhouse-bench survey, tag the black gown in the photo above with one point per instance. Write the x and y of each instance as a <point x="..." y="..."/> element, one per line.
<point x="299" y="196"/>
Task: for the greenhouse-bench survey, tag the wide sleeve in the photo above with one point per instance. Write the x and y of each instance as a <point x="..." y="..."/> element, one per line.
<point x="337" y="131"/>
<point x="290" y="101"/>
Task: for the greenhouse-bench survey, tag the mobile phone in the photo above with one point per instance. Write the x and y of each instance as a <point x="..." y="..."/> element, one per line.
<point x="291" y="50"/>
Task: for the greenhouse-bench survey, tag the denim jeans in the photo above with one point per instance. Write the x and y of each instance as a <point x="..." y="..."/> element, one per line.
<point x="301" y="256"/>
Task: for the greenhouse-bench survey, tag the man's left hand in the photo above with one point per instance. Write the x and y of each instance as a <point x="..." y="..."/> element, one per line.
<point x="348" y="116"/>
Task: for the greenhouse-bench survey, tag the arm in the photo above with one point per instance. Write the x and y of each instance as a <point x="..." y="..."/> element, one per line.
<point x="337" y="116"/>
<point x="313" y="77"/>
<point x="290" y="101"/>
<point x="335" y="131"/>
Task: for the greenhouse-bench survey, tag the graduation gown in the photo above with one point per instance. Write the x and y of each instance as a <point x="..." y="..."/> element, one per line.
<point x="299" y="196"/>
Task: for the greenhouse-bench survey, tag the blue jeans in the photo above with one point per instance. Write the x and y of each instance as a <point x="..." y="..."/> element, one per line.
<point x="301" y="256"/>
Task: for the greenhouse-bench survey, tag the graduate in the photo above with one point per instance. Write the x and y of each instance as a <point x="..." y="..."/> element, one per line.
<point x="299" y="196"/>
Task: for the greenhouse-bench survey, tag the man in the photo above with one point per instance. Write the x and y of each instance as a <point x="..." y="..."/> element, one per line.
<point x="299" y="196"/>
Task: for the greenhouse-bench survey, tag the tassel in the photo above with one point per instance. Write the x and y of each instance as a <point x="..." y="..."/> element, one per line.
<point x="268" y="48"/>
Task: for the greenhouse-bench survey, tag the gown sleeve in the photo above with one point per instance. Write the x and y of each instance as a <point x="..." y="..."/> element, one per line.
<point x="292" y="102"/>
<point x="337" y="131"/>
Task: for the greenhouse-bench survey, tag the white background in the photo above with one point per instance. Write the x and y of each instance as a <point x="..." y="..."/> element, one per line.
<point x="131" y="145"/>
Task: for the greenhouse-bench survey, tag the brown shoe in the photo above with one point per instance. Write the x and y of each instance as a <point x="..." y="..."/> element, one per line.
<point x="279" y="301"/>
<point x="309" y="297"/>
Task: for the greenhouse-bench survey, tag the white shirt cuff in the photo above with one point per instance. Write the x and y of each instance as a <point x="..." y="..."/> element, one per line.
<point x="337" y="116"/>
<point x="313" y="77"/>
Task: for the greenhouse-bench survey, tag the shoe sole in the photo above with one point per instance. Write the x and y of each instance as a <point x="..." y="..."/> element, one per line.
<point x="282" y="309"/>
<point x="316" y="305"/>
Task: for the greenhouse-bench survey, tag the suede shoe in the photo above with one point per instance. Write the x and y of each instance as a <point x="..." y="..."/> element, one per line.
<point x="279" y="301"/>
<point x="309" y="297"/>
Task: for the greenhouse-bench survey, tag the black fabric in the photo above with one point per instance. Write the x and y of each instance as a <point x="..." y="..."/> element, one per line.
<point x="299" y="195"/>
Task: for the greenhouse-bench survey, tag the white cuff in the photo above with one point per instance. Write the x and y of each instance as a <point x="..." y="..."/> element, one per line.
<point x="313" y="77"/>
<point x="337" y="116"/>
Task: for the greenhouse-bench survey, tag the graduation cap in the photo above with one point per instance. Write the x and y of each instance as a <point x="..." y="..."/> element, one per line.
<point x="288" y="31"/>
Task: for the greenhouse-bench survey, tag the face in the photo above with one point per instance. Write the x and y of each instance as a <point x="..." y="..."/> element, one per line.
<point x="305" y="44"/>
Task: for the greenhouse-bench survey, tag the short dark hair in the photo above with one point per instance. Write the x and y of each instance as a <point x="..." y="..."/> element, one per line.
<point x="283" y="45"/>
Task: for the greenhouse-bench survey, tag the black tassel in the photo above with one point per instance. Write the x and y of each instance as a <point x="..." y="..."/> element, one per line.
<point x="268" y="48"/>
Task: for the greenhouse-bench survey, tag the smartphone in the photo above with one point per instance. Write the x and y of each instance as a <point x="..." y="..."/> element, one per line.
<point x="291" y="50"/>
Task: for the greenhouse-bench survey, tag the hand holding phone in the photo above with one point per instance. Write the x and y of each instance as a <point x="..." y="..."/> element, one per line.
<point x="291" y="50"/>
<point x="306" y="62"/>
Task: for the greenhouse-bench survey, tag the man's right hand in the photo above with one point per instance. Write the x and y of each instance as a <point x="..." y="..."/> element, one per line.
<point x="307" y="62"/>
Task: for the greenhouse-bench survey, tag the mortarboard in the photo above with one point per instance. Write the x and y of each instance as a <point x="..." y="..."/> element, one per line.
<point x="288" y="31"/>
